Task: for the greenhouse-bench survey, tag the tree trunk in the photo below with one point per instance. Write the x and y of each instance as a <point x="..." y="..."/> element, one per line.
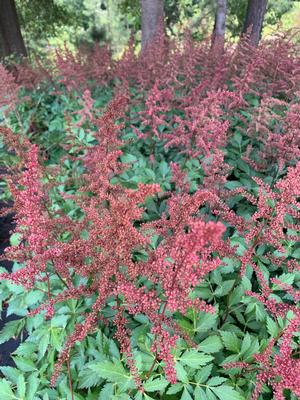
<point x="254" y="20"/>
<point x="152" y="20"/>
<point x="218" y="37"/>
<point x="11" y="41"/>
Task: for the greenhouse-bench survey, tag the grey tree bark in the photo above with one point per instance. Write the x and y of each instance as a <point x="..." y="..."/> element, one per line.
<point x="152" y="20"/>
<point x="11" y="40"/>
<point x="254" y="20"/>
<point x="218" y="37"/>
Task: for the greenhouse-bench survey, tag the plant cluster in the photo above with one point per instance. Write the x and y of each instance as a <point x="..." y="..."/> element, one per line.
<point x="156" y="248"/>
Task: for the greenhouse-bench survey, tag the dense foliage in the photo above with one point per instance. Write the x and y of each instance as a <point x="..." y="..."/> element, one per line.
<point x="156" y="249"/>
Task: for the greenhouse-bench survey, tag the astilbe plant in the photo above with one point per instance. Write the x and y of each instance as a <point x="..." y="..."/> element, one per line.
<point x="271" y="69"/>
<point x="281" y="370"/>
<point x="271" y="228"/>
<point x="105" y="253"/>
<point x="84" y="67"/>
<point x="8" y="90"/>
<point x="102" y="241"/>
<point x="31" y="74"/>
<point x="277" y="365"/>
<point x="184" y="65"/>
<point x="195" y="126"/>
<point x="275" y="133"/>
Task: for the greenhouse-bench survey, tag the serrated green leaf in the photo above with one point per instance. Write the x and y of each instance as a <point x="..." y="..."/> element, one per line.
<point x="186" y="395"/>
<point x="199" y="394"/>
<point x="11" y="373"/>
<point x="43" y="345"/>
<point x="153" y="385"/>
<point x="128" y="158"/>
<point x="296" y="253"/>
<point x="24" y="364"/>
<point x="210" y="395"/>
<point x="25" y="349"/>
<point x="59" y="321"/>
<point x="21" y="387"/>
<point x="211" y="344"/>
<point x="216" y="381"/>
<point x="194" y="359"/>
<point x="272" y="327"/>
<point x="206" y="321"/>
<point x="113" y="372"/>
<point x="236" y="296"/>
<point x="181" y="373"/>
<point x="231" y="341"/>
<point x="138" y="396"/>
<point x="56" y="339"/>
<point x="164" y="168"/>
<point x="6" y="391"/>
<point x="246" y="283"/>
<point x="11" y="329"/>
<point x="147" y="397"/>
<point x="113" y="349"/>
<point x="175" y="388"/>
<point x="232" y="185"/>
<point x="203" y="374"/>
<point x="246" y="343"/>
<point x="227" y="393"/>
<point x="260" y="312"/>
<point x="32" y="387"/>
<point x="224" y="288"/>
<point x="88" y="378"/>
<point x="121" y="396"/>
<point x="107" y="392"/>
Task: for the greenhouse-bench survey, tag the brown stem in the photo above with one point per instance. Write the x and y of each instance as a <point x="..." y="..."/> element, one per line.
<point x="48" y="286"/>
<point x="63" y="281"/>
<point x="152" y="366"/>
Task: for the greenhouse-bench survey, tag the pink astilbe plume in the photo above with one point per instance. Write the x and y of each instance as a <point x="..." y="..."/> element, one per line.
<point x="202" y="129"/>
<point x="32" y="222"/>
<point x="269" y="224"/>
<point x="83" y="67"/>
<point x="86" y="111"/>
<point x="271" y="69"/>
<point x="8" y="90"/>
<point x="275" y="128"/>
<point x="31" y="74"/>
<point x="152" y="61"/>
<point x="203" y="133"/>
<point x="280" y="370"/>
<point x="125" y="67"/>
<point x="157" y="104"/>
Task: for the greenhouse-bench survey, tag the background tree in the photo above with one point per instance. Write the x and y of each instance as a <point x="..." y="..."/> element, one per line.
<point x="255" y="14"/>
<point x="41" y="20"/>
<point x="237" y="10"/>
<point x="11" y="40"/>
<point x="152" y="20"/>
<point x="218" y="37"/>
<point x="44" y="22"/>
<point x="199" y="15"/>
